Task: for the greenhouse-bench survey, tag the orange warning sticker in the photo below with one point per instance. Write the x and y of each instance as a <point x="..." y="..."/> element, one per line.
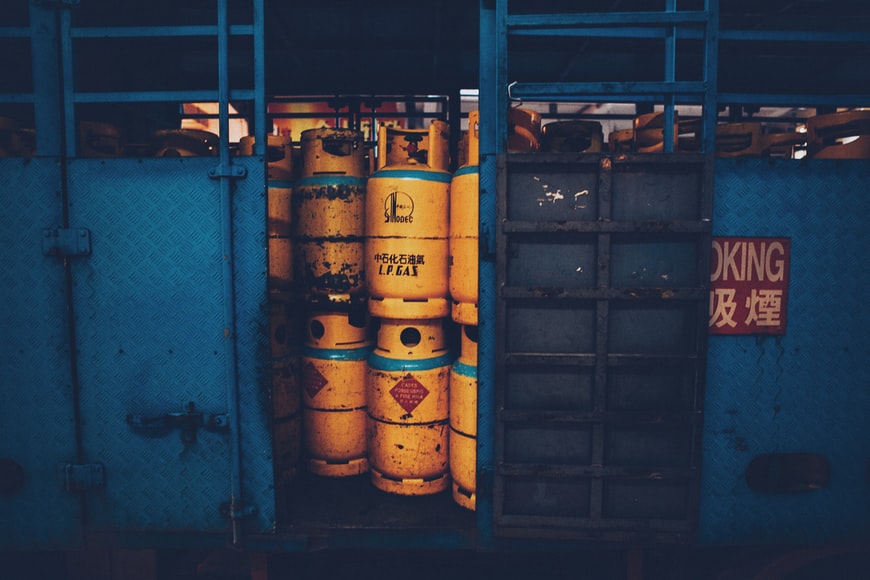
<point x="409" y="393"/>
<point x="312" y="380"/>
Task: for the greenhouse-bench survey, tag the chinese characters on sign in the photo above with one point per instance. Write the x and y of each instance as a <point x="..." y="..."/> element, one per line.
<point x="749" y="285"/>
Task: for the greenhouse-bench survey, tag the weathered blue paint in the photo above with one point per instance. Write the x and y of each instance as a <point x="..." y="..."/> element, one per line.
<point x="809" y="390"/>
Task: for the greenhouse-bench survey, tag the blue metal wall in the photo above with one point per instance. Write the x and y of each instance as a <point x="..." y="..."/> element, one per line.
<point x="807" y="391"/>
<point x="148" y="312"/>
<point x="37" y="419"/>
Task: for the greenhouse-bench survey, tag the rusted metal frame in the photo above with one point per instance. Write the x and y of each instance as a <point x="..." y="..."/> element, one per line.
<point x="588" y="360"/>
<point x="551" y="293"/>
<point x="502" y="246"/>
<point x="599" y="393"/>
<point x="675" y="226"/>
<point x="590" y="471"/>
<point x="624" y="528"/>
<point x="645" y="418"/>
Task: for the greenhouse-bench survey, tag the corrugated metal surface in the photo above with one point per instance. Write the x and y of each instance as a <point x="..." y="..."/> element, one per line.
<point x="37" y="415"/>
<point x="601" y="340"/>
<point x="807" y="391"/>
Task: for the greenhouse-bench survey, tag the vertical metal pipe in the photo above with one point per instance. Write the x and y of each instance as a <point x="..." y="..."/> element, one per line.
<point x="68" y="82"/>
<point x="47" y="101"/>
<point x="260" y="129"/>
<point x="670" y="76"/>
<point x="711" y="77"/>
<point x="493" y="137"/>
<point x="232" y="377"/>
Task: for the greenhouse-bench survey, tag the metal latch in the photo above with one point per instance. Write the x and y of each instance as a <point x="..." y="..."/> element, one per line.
<point x="230" y="170"/>
<point x="78" y="478"/>
<point x="66" y="242"/>
<point x="188" y="420"/>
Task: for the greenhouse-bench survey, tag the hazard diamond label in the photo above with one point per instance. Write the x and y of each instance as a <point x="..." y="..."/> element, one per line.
<point x="409" y="393"/>
<point x="312" y="380"/>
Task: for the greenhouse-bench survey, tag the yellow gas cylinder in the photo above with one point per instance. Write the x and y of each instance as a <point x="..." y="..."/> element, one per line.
<point x="649" y="132"/>
<point x="738" y="139"/>
<point x="463" y="421"/>
<point x="329" y="217"/>
<point x="621" y="141"/>
<point x="408" y="407"/>
<point x="524" y="130"/>
<point x="843" y="135"/>
<point x="97" y="139"/>
<point x="407" y="224"/>
<point x="279" y="168"/>
<point x="334" y="371"/>
<point x="572" y="137"/>
<point x="184" y="143"/>
<point x="329" y="151"/>
<point x="463" y="239"/>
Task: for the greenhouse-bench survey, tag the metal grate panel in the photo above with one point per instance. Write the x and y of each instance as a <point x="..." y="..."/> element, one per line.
<point x="601" y="342"/>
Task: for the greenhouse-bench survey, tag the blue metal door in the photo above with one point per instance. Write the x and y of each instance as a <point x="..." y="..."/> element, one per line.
<point x="38" y="447"/>
<point x="152" y="325"/>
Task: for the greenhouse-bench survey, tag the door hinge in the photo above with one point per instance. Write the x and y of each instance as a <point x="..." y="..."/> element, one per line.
<point x="189" y="421"/>
<point x="66" y="242"/>
<point x="229" y="170"/>
<point x="78" y="478"/>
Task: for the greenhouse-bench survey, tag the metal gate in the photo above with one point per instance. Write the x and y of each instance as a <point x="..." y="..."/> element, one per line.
<point x="602" y="269"/>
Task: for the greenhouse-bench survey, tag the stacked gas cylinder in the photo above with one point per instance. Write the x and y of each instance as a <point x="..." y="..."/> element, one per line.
<point x="329" y="229"/>
<point x="406" y="258"/>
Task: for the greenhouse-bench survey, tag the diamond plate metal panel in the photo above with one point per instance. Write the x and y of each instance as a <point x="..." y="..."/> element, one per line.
<point x="252" y="323"/>
<point x="808" y="391"/>
<point x="150" y="325"/>
<point x="36" y="409"/>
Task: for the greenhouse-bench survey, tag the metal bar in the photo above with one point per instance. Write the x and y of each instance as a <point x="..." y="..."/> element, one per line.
<point x="547" y="359"/>
<point x="625" y="417"/>
<point x="558" y="91"/>
<point x="623" y="527"/>
<point x="161" y="96"/>
<point x="232" y="377"/>
<point x="677" y="226"/>
<point x="590" y="471"/>
<point x="801" y="36"/>
<point x="160" y="31"/>
<point x="549" y="294"/>
<point x="14" y="32"/>
<point x="602" y="310"/>
<point x="624" y="32"/>
<point x="670" y="77"/>
<point x="687" y="17"/>
<point x="711" y="76"/>
<point x="588" y="359"/>
<point x="260" y="129"/>
<point x="795" y="100"/>
<point x="493" y="140"/>
<point x="68" y="83"/>
<point x="10" y="98"/>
